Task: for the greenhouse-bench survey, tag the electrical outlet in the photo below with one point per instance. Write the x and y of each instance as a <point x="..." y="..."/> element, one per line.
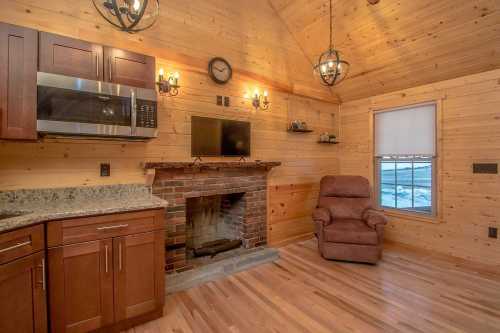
<point x="219" y="100"/>
<point x="227" y="101"/>
<point x="492" y="232"/>
<point x="105" y="169"/>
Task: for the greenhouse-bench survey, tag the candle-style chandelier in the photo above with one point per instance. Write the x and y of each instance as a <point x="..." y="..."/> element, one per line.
<point x="129" y="15"/>
<point x="331" y="68"/>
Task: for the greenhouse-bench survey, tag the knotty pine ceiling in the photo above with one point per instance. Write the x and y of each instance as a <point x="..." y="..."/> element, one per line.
<point x="398" y="44"/>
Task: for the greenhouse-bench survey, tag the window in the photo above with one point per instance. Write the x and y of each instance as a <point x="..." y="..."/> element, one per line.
<point x="406" y="183"/>
<point x="405" y="151"/>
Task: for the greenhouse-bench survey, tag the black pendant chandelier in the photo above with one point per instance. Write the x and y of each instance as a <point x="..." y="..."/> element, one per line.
<point x="129" y="15"/>
<point x="330" y="67"/>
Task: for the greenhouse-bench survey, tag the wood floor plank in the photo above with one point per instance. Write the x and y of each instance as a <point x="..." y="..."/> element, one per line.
<point x="410" y="290"/>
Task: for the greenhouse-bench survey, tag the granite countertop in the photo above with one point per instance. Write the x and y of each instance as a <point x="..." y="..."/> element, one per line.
<point x="42" y="205"/>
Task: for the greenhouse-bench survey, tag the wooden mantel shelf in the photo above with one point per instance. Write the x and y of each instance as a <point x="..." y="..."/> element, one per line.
<point x="212" y="165"/>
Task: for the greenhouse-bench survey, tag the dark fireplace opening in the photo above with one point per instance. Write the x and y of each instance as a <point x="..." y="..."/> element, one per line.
<point x="213" y="225"/>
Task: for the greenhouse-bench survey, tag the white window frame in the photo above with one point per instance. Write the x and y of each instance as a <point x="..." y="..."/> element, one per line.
<point x="437" y="196"/>
<point x="407" y="159"/>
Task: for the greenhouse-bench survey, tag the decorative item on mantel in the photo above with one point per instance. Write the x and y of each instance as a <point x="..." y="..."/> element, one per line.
<point x="259" y="101"/>
<point x="328" y="138"/>
<point x="129" y="15"/>
<point x="331" y="68"/>
<point x="170" y="86"/>
<point x="299" y="127"/>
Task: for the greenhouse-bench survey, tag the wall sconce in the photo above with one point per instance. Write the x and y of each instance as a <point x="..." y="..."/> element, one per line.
<point x="170" y="86"/>
<point x="259" y="101"/>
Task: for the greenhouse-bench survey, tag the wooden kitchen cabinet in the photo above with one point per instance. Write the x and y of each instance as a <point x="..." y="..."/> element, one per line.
<point x="77" y="58"/>
<point x="81" y="286"/>
<point x="23" y="295"/>
<point x="18" y="67"/>
<point x="71" y="57"/>
<point x="129" y="68"/>
<point x="112" y="281"/>
<point x="139" y="274"/>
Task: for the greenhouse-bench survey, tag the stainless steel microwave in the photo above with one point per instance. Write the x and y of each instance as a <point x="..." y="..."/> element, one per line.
<point x="80" y="107"/>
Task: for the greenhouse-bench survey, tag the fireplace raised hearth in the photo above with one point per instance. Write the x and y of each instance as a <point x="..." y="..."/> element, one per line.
<point x="211" y="204"/>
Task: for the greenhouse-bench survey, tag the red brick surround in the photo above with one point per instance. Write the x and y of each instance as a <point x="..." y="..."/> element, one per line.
<point x="176" y="184"/>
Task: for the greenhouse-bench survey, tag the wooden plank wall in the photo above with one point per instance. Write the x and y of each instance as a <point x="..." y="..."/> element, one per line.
<point x="187" y="36"/>
<point x="470" y="133"/>
<point x="247" y="33"/>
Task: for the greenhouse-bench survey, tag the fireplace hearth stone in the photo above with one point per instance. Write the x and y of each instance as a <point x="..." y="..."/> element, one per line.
<point x="225" y="265"/>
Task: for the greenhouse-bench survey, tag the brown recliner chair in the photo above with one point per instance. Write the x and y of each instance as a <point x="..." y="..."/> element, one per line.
<point x="347" y="226"/>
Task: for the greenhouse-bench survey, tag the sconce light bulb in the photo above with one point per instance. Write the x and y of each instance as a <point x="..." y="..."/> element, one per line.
<point x="330" y="64"/>
<point x="256" y="93"/>
<point x="266" y="93"/>
<point x="177" y="75"/>
<point x="323" y="68"/>
<point x="137" y="5"/>
<point x="161" y="72"/>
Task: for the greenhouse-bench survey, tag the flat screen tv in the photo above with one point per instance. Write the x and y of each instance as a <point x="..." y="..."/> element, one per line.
<point x="219" y="137"/>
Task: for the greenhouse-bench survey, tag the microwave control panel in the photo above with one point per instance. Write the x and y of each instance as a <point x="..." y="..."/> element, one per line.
<point x="147" y="114"/>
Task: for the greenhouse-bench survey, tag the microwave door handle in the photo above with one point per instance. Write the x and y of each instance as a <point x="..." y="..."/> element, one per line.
<point x="133" y="105"/>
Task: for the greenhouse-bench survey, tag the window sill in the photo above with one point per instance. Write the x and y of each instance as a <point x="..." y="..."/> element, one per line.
<point x="412" y="216"/>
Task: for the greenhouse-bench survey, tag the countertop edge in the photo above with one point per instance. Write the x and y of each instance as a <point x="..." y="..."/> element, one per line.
<point x="30" y="220"/>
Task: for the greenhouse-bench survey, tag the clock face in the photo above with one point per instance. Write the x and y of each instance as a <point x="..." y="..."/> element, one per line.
<point x="220" y="71"/>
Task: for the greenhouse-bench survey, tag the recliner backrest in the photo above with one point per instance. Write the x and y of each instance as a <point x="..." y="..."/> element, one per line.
<point x="347" y="197"/>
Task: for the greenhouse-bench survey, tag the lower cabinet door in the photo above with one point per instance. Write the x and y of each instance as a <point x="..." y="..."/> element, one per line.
<point x="23" y="295"/>
<point x="81" y="286"/>
<point x="139" y="274"/>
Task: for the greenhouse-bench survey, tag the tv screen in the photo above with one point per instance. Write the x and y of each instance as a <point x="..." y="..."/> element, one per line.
<point x="219" y="137"/>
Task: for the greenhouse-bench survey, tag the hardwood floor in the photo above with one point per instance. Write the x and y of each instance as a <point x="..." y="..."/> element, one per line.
<point x="409" y="291"/>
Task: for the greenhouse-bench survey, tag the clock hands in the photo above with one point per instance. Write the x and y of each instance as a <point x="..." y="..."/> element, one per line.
<point x="220" y="70"/>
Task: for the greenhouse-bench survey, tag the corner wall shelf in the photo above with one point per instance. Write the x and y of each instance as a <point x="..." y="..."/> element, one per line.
<point x="299" y="130"/>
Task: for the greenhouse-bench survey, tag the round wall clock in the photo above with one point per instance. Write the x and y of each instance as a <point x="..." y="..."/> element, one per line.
<point x="220" y="71"/>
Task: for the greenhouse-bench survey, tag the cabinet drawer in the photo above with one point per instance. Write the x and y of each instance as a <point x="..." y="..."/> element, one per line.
<point x="19" y="243"/>
<point x="102" y="227"/>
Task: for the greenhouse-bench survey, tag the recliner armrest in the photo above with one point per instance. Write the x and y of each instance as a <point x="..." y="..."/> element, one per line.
<point x="374" y="217"/>
<point x="322" y="215"/>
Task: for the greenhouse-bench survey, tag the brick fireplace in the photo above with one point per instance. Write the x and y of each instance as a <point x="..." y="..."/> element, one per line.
<point x="241" y="184"/>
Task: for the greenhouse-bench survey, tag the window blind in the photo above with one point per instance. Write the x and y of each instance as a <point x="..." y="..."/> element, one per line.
<point x="406" y="131"/>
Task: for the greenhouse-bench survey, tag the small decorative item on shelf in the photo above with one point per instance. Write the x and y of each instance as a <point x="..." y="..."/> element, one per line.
<point x="170" y="86"/>
<point x="324" y="137"/>
<point x="298" y="126"/>
<point x="327" y="138"/>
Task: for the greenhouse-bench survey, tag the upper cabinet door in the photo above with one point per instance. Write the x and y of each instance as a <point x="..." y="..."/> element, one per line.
<point x="23" y="295"/>
<point x="139" y="274"/>
<point x="129" y="68"/>
<point x="71" y="57"/>
<point x="18" y="62"/>
<point x="81" y="287"/>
